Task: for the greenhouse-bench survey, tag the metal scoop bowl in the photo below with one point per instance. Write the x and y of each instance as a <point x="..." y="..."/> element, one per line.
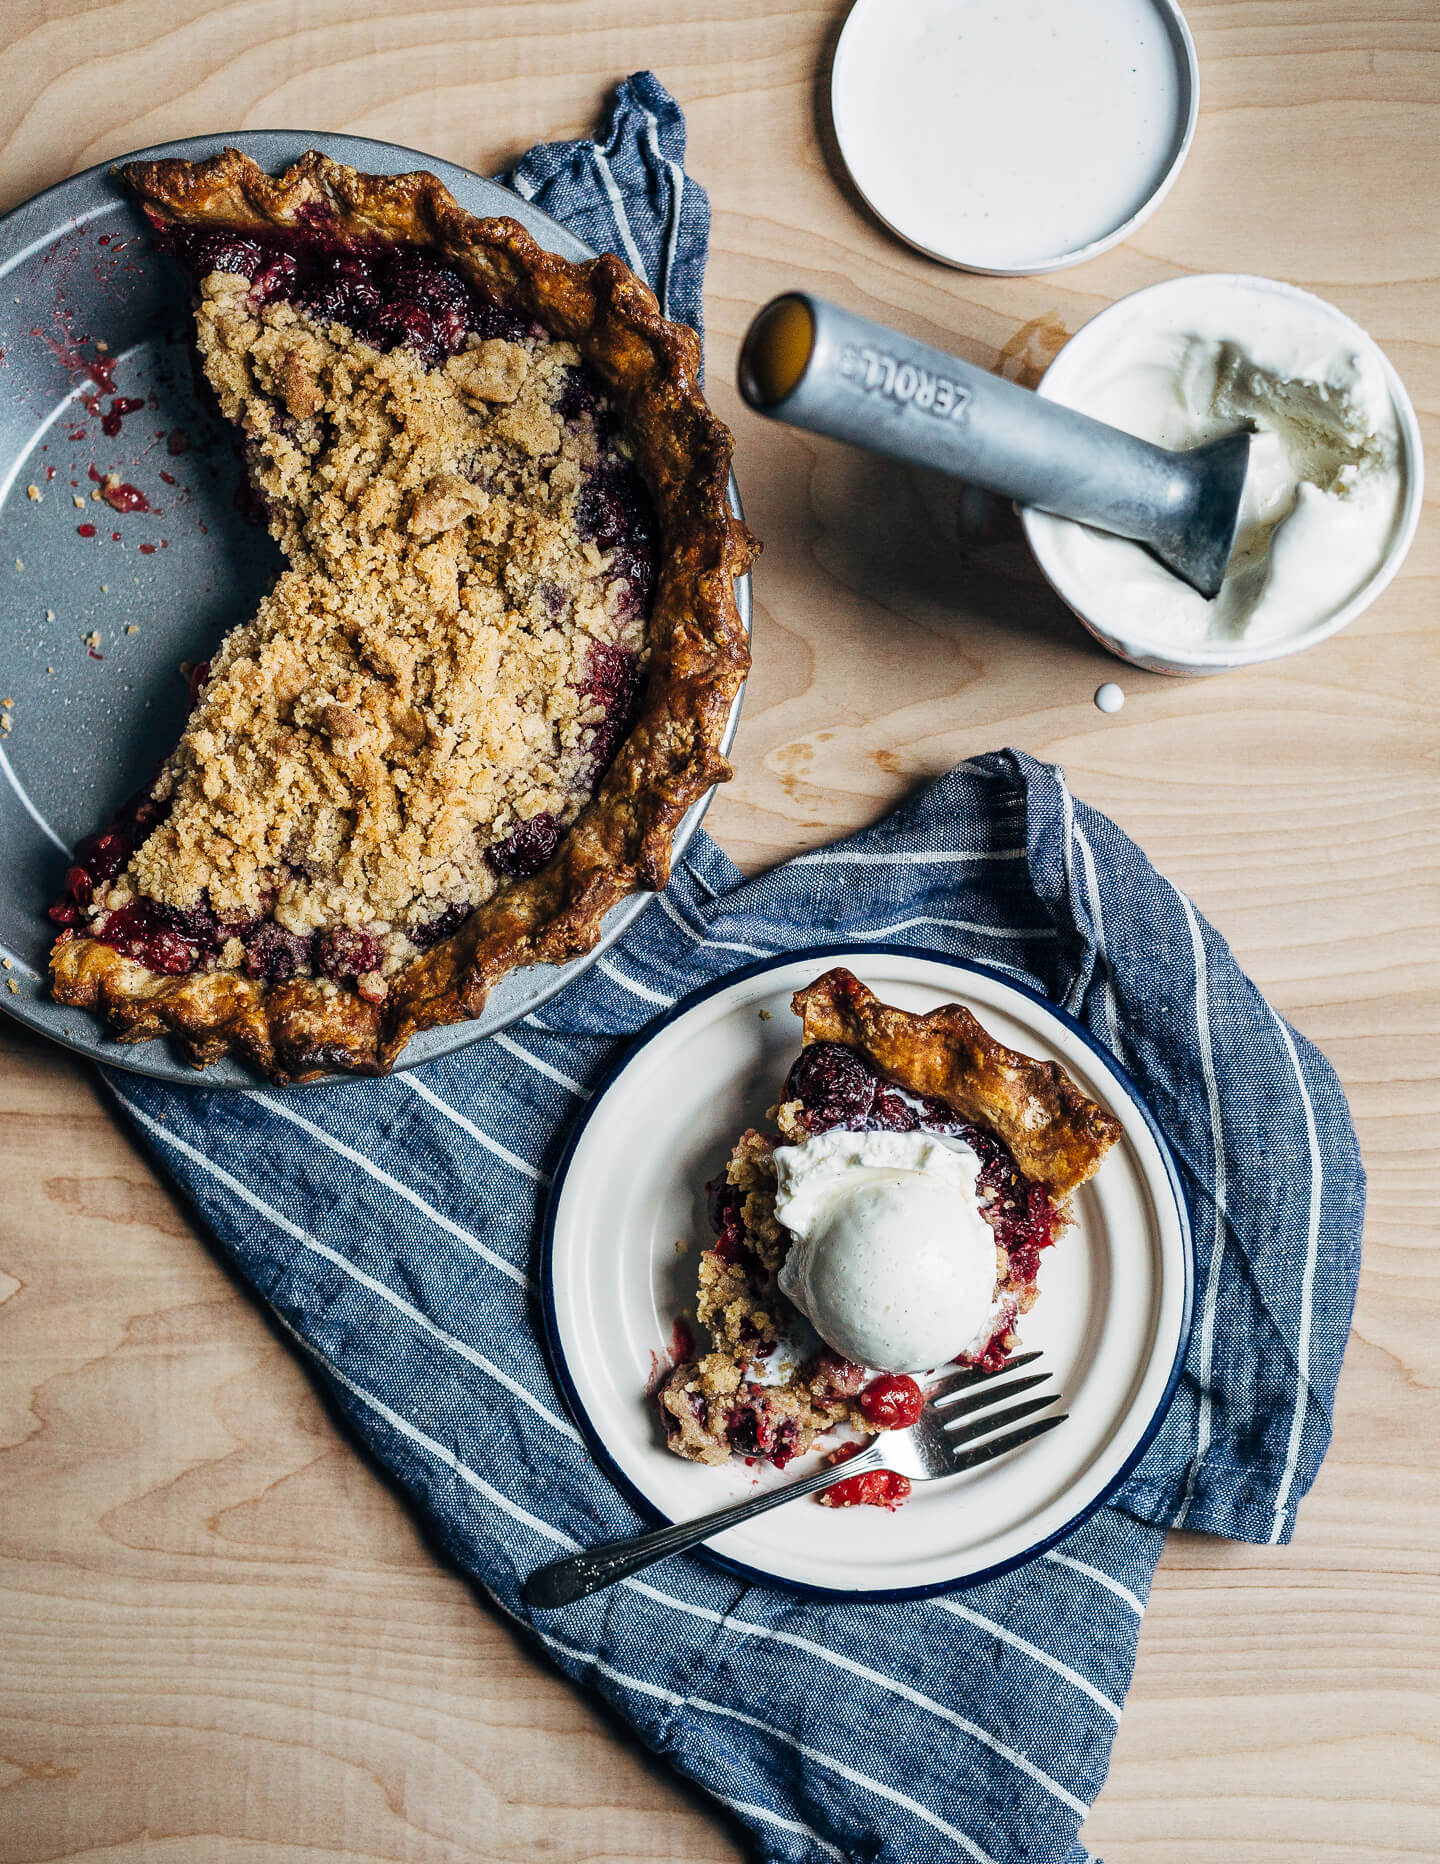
<point x="813" y="365"/>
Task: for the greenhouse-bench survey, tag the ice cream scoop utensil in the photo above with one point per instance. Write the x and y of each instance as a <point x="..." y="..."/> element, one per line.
<point x="816" y="366"/>
<point x="934" y="1445"/>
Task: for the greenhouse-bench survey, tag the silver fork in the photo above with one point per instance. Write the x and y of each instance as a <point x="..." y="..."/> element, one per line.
<point x="941" y="1442"/>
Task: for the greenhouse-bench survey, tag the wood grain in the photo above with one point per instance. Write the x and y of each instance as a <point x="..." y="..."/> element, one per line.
<point x="221" y="1636"/>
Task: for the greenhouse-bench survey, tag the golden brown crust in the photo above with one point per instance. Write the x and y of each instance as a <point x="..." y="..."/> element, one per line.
<point x="620" y="842"/>
<point x="1058" y="1136"/>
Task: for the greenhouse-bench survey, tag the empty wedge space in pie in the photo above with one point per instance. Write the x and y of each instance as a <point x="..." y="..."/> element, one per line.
<point x="497" y="667"/>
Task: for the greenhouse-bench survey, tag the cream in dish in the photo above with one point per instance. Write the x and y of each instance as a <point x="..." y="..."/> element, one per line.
<point x="1326" y="487"/>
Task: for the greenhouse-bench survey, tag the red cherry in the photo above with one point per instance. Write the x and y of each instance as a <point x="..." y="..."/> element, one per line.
<point x="892" y="1402"/>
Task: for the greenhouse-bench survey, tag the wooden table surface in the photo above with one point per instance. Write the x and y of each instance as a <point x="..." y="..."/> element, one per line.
<point x="221" y="1635"/>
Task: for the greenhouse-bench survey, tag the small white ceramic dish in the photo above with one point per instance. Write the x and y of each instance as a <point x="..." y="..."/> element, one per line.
<point x="1014" y="136"/>
<point x="1096" y="348"/>
<point x="1113" y="1318"/>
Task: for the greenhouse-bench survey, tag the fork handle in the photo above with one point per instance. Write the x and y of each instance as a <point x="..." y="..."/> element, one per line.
<point x="592" y="1569"/>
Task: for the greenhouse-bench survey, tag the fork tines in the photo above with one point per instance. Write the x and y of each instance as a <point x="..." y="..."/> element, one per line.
<point x="956" y="1405"/>
<point x="967" y="1376"/>
<point x="996" y="1420"/>
<point x="1000" y="1446"/>
<point x="975" y="1394"/>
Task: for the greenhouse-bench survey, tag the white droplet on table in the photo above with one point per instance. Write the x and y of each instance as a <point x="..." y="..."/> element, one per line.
<point x="1109" y="697"/>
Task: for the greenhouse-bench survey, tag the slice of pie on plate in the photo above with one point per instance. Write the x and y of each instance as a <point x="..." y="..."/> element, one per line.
<point x="497" y="668"/>
<point x="892" y="1220"/>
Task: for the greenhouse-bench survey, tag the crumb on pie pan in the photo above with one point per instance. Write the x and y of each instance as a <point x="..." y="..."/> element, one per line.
<point x="99" y="623"/>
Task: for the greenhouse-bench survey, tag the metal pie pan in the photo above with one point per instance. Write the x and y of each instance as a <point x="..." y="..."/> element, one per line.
<point x="96" y="627"/>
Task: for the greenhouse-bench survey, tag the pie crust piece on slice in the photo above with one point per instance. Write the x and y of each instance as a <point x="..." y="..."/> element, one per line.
<point x="868" y="1066"/>
<point x="1056" y="1134"/>
<point x="497" y="668"/>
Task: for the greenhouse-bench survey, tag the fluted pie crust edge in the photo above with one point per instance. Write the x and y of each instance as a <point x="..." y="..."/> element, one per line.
<point x="1056" y="1133"/>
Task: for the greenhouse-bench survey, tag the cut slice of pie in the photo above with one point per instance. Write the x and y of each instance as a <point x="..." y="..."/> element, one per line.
<point x="1025" y="1130"/>
<point x="497" y="668"/>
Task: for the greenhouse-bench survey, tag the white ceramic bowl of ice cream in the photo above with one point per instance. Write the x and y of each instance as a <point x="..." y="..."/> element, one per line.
<point x="1335" y="486"/>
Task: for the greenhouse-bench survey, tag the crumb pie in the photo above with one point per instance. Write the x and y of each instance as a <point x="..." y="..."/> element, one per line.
<point x="894" y="1130"/>
<point x="497" y="667"/>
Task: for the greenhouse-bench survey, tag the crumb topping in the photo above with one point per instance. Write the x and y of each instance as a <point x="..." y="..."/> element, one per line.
<point x="423" y="681"/>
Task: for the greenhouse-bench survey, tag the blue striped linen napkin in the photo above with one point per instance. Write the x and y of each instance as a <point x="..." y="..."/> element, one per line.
<point x="390" y="1226"/>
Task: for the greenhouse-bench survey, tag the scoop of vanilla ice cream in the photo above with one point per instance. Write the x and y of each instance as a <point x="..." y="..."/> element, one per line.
<point x="893" y="1263"/>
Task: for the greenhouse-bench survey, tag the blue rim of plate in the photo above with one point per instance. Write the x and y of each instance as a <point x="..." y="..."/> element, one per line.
<point x="570" y="1393"/>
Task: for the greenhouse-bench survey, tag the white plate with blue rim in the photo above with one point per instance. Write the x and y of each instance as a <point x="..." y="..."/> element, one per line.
<point x="1112" y="1319"/>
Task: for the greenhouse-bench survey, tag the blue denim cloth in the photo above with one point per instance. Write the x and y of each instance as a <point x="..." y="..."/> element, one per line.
<point x="627" y="192"/>
<point x="390" y="1226"/>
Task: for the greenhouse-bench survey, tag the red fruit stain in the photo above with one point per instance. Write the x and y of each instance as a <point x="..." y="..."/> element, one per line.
<point x="124" y="498"/>
<point x="682" y="1342"/>
<point x="147" y="550"/>
<point x="85" y="530"/>
<point x="119" y="408"/>
<point x="168" y="477"/>
<point x="876" y="1488"/>
<point x="69" y="351"/>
